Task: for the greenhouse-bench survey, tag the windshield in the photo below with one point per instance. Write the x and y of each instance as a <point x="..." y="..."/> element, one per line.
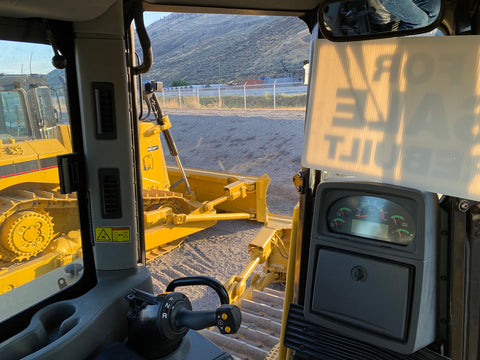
<point x="13" y="115"/>
<point x="40" y="247"/>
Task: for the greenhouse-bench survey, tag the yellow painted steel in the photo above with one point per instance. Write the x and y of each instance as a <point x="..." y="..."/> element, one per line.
<point x="269" y="248"/>
<point x="208" y="185"/>
<point x="65" y="137"/>
<point x="67" y="248"/>
<point x="154" y="171"/>
<point x="171" y="214"/>
<point x="283" y="352"/>
<point x="33" y="212"/>
<point x="26" y="233"/>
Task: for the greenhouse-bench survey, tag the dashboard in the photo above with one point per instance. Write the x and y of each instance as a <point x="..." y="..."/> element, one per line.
<point x="372" y="263"/>
<point x="372" y="217"/>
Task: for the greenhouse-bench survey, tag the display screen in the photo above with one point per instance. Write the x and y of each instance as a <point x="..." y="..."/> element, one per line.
<point x="372" y="217"/>
<point x="370" y="229"/>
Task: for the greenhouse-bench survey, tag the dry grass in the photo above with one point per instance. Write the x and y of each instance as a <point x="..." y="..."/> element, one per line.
<point x="283" y="102"/>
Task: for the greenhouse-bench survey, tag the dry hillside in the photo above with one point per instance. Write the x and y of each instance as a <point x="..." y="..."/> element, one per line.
<point x="211" y="49"/>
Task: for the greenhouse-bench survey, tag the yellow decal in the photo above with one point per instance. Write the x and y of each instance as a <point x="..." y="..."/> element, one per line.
<point x="121" y="234"/>
<point x="112" y="234"/>
<point x="103" y="234"/>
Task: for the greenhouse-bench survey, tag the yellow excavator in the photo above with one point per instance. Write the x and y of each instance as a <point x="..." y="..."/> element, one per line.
<point x="39" y="223"/>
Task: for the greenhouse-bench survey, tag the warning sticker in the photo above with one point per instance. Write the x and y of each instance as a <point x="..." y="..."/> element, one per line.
<point x="121" y="234"/>
<point x="112" y="234"/>
<point x="103" y="234"/>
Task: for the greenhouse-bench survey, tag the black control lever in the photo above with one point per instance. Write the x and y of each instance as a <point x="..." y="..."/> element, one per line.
<point x="158" y="324"/>
<point x="227" y="318"/>
<point x="201" y="280"/>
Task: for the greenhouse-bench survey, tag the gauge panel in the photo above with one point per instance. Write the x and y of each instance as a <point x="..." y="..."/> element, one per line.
<point x="372" y="217"/>
<point x="372" y="252"/>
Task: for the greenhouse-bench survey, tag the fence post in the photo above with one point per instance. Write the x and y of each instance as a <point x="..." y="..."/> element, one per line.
<point x="219" y="98"/>
<point x="274" y="101"/>
<point x="198" y="97"/>
<point x="163" y="96"/>
<point x="179" y="99"/>
<point x="245" y="96"/>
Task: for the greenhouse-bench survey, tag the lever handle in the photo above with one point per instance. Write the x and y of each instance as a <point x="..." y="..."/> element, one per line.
<point x="227" y="318"/>
<point x="201" y="280"/>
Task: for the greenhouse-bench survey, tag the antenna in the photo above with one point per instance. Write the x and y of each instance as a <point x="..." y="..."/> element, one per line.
<point x="31" y="54"/>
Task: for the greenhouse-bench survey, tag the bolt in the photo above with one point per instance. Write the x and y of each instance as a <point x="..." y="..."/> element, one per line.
<point x="463" y="205"/>
<point x="300" y="188"/>
<point x="300" y="175"/>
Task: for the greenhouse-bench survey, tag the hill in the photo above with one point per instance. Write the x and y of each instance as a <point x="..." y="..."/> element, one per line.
<point x="211" y="49"/>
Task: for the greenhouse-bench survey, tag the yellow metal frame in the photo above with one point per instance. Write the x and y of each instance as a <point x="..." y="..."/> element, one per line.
<point x="65" y="250"/>
<point x="169" y="215"/>
<point x="269" y="248"/>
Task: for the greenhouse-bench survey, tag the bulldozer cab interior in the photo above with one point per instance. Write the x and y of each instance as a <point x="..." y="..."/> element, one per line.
<point x="355" y="20"/>
<point x="380" y="266"/>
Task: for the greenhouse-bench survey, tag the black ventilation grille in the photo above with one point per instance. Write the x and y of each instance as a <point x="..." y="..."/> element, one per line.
<point x="110" y="189"/>
<point x="104" y="110"/>
<point x="316" y="342"/>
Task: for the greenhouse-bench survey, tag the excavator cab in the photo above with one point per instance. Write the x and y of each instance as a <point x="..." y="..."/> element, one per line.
<point x="383" y="249"/>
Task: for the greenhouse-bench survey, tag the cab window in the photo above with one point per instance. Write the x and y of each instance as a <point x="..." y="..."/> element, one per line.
<point x="13" y="115"/>
<point x="40" y="242"/>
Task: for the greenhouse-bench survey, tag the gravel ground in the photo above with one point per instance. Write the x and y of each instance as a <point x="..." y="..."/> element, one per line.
<point x="242" y="142"/>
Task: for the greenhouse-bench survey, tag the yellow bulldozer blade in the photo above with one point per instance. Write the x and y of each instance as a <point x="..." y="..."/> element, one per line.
<point x="170" y="216"/>
<point x="230" y="193"/>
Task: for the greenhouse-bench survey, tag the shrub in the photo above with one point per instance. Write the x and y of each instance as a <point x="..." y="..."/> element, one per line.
<point x="176" y="83"/>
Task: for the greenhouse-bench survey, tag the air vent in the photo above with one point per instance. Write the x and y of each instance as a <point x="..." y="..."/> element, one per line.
<point x="110" y="191"/>
<point x="104" y="110"/>
<point x="316" y="342"/>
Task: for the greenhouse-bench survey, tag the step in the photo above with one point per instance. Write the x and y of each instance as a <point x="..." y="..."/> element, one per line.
<point x="270" y="297"/>
<point x="260" y="309"/>
<point x="236" y="347"/>
<point x="266" y="325"/>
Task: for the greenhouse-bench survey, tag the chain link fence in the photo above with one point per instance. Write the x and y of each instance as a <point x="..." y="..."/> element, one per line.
<point x="276" y="96"/>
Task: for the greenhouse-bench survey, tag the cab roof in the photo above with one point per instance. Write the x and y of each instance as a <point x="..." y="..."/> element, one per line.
<point x="82" y="10"/>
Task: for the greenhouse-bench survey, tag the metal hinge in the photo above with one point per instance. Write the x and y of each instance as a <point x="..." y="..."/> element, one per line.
<point x="299" y="181"/>
<point x="68" y="173"/>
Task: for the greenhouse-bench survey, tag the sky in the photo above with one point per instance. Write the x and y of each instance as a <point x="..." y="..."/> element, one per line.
<point x="26" y="58"/>
<point x="150" y="17"/>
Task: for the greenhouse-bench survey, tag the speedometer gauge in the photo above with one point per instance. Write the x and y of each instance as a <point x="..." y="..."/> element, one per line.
<point x="373" y="218"/>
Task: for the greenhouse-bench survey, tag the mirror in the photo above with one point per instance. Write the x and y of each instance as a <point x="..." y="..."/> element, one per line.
<point x="367" y="19"/>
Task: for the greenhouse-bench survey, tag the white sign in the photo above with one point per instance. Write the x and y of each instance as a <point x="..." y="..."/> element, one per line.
<point x="403" y="111"/>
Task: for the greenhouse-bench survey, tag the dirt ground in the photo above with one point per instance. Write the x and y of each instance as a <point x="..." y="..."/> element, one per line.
<point x="242" y="142"/>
